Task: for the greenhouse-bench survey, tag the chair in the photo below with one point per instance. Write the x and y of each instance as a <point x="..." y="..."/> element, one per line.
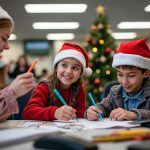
<point x="108" y="87"/>
<point x="22" y="102"/>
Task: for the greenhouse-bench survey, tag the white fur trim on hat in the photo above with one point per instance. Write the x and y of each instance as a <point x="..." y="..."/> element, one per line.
<point x="5" y="15"/>
<point x="132" y="60"/>
<point x="73" y="54"/>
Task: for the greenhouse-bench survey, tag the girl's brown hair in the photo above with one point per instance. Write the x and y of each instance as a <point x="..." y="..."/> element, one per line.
<point x="54" y="83"/>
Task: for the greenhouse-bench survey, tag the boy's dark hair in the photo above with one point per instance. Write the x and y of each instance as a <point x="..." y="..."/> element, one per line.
<point x="130" y="67"/>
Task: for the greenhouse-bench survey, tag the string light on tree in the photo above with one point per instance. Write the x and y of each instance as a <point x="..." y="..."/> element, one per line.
<point x="101" y="41"/>
<point x="98" y="71"/>
<point x="107" y="72"/>
<point x="102" y="45"/>
<point x="94" y="49"/>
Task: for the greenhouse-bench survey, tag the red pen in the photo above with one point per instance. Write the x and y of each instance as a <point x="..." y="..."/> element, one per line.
<point x="33" y="64"/>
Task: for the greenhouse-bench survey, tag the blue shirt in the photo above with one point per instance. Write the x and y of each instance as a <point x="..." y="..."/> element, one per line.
<point x="132" y="102"/>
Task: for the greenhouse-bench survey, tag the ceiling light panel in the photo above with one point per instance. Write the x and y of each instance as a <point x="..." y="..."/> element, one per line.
<point x="134" y="25"/>
<point x="147" y="8"/>
<point x="55" y="8"/>
<point x="60" y="36"/>
<point x="124" y="35"/>
<point x="55" y="25"/>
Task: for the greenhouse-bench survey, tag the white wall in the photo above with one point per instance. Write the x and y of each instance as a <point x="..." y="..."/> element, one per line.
<point x="16" y="49"/>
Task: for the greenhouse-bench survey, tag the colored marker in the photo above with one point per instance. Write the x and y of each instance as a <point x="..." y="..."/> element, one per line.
<point x="33" y="64"/>
<point x="92" y="99"/>
<point x="62" y="100"/>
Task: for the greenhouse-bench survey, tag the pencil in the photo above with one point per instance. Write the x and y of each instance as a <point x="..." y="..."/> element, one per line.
<point x="62" y="100"/>
<point x="123" y="135"/>
<point x="33" y="64"/>
<point x="92" y="99"/>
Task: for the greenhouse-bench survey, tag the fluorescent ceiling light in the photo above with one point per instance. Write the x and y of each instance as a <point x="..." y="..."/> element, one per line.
<point x="147" y="8"/>
<point x="124" y="35"/>
<point x="12" y="37"/>
<point x="134" y="25"/>
<point x="55" y="25"/>
<point x="60" y="36"/>
<point x="55" y="8"/>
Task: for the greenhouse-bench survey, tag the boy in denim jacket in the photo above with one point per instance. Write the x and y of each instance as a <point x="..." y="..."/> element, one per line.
<point x="131" y="99"/>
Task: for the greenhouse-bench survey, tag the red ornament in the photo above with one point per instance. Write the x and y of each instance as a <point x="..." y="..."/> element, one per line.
<point x="97" y="81"/>
<point x="94" y="42"/>
<point x="108" y="50"/>
<point x="88" y="40"/>
<point x="93" y="27"/>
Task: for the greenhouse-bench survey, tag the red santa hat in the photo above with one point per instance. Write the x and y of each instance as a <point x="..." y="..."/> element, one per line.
<point x="5" y="15"/>
<point x="74" y="51"/>
<point x="134" y="53"/>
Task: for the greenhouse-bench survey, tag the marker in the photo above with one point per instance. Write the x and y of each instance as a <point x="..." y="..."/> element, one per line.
<point x="62" y="100"/>
<point x="33" y="64"/>
<point x="92" y="99"/>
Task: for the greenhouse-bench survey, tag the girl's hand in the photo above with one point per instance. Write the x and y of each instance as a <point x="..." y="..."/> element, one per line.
<point x="22" y="84"/>
<point x="92" y="113"/>
<point x="65" y="113"/>
<point x="122" y="114"/>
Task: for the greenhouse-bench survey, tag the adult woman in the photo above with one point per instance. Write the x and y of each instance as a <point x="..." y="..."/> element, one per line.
<point x="22" y="84"/>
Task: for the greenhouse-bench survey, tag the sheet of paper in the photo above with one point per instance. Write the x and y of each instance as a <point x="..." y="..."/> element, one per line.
<point x="18" y="135"/>
<point x="106" y="123"/>
<point x="85" y="124"/>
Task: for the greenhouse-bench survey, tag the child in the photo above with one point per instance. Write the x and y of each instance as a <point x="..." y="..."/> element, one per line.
<point x="131" y="99"/>
<point x="70" y="63"/>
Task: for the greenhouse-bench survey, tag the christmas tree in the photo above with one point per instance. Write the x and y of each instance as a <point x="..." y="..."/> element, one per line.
<point x="101" y="47"/>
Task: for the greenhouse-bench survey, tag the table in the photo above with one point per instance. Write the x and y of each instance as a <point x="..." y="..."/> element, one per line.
<point x="82" y="134"/>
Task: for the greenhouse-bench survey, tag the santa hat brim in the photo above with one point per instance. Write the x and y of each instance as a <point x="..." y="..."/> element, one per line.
<point x="72" y="54"/>
<point x="131" y="60"/>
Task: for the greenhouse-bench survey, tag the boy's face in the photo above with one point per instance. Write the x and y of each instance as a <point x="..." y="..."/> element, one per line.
<point x="130" y="78"/>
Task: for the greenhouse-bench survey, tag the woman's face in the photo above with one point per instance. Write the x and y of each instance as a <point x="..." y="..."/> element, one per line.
<point x="4" y="36"/>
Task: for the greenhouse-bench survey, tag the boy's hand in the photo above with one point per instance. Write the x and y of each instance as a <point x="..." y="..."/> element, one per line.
<point x="22" y="84"/>
<point x="122" y="114"/>
<point x="92" y="113"/>
<point x="65" y="113"/>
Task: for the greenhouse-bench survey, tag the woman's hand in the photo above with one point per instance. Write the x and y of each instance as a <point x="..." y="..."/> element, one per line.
<point x="22" y="84"/>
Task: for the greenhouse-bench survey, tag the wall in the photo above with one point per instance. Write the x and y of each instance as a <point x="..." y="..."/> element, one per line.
<point x="16" y="49"/>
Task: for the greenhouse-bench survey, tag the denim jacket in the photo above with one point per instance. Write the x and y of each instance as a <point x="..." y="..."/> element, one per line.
<point x="115" y="100"/>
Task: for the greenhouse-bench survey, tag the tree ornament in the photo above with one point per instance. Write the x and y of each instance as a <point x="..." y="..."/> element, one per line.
<point x="93" y="27"/>
<point x="109" y="31"/>
<point x="100" y="9"/>
<point x="100" y="26"/>
<point x="94" y="42"/>
<point x="88" y="40"/>
<point x="108" y="50"/>
<point x="101" y="89"/>
<point x="97" y="81"/>
<point x="91" y="55"/>
<point x="103" y="59"/>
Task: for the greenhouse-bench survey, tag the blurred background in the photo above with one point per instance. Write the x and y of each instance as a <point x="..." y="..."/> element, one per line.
<point x="97" y="25"/>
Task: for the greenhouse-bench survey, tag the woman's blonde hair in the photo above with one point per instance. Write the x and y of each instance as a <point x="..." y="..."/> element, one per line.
<point x="6" y="23"/>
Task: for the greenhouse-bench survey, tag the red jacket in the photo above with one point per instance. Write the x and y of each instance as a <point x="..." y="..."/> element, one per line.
<point x="37" y="108"/>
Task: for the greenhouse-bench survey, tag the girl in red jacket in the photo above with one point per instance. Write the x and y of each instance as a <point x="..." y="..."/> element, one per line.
<point x="70" y="63"/>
